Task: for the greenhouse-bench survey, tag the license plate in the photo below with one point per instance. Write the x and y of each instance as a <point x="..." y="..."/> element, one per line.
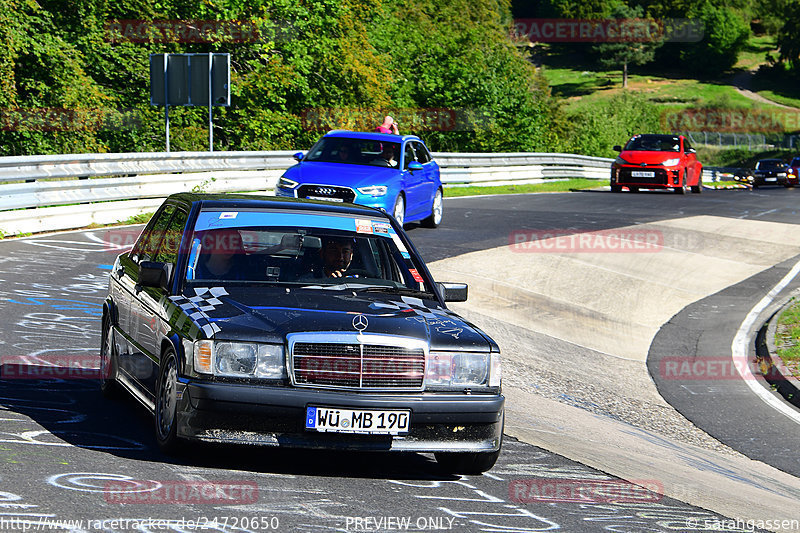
<point x="643" y="174"/>
<point x="770" y="179"/>
<point x="333" y="419"/>
<point x="327" y="198"/>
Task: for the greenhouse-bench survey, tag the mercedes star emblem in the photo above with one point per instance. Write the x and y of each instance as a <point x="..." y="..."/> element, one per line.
<point x="360" y="322"/>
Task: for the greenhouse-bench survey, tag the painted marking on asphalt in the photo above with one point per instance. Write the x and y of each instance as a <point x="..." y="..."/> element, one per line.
<point x="739" y="348"/>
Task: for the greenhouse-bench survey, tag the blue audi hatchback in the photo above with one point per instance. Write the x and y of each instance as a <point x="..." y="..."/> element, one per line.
<point x="392" y="172"/>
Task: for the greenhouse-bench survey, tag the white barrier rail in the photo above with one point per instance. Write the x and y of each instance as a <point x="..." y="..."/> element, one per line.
<point x="46" y="193"/>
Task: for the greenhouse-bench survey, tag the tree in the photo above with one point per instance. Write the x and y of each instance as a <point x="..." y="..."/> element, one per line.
<point x="633" y="47"/>
<point x="726" y="33"/>
<point x="789" y="36"/>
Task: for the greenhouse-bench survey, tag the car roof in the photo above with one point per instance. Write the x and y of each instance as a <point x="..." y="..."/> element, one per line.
<point x="241" y="201"/>
<point x="372" y="136"/>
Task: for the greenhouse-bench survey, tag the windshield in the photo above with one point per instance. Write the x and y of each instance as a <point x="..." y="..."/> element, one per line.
<point x="769" y="164"/>
<point x="355" y="152"/>
<point x="323" y="251"/>
<point x="654" y="143"/>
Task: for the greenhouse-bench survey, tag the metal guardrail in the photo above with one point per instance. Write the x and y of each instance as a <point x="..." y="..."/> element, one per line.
<point x="46" y="193"/>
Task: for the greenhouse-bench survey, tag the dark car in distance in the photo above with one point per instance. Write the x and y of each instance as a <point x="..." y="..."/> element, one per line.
<point x="651" y="161"/>
<point x="297" y="323"/>
<point x="770" y="172"/>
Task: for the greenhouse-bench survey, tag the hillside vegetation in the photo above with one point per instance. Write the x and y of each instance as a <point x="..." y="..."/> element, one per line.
<point x="74" y="74"/>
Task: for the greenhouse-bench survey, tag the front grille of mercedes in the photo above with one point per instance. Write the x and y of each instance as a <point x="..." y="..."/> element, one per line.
<point x="358" y="366"/>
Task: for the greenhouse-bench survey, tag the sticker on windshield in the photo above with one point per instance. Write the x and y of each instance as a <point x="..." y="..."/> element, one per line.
<point x="363" y="226"/>
<point x="381" y="228"/>
<point x="228" y="214"/>
<point x="415" y="275"/>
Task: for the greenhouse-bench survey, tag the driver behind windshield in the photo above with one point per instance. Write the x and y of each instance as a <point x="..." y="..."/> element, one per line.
<point x="336" y="254"/>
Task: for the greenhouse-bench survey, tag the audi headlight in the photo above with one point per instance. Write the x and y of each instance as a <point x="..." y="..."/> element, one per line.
<point x="374" y="190"/>
<point x="286" y="183"/>
<point x="671" y="162"/>
<point x="239" y="359"/>
<point x="467" y="369"/>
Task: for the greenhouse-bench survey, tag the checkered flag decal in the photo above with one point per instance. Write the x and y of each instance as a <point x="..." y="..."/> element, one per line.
<point x="407" y="303"/>
<point x="205" y="299"/>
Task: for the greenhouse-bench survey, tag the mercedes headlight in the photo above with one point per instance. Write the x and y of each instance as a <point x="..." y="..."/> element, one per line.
<point x="463" y="369"/>
<point x="239" y="359"/>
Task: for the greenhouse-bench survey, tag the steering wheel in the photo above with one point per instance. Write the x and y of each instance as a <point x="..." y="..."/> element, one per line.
<point x="357" y="273"/>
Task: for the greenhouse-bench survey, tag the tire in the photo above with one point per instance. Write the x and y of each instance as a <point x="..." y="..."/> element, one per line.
<point x="109" y="359"/>
<point x="167" y="404"/>
<point x="698" y="189"/>
<point x="616" y="188"/>
<point x="437" y="211"/>
<point x="399" y="210"/>
<point x="467" y="462"/>
<point x="633" y="189"/>
<point x="682" y="188"/>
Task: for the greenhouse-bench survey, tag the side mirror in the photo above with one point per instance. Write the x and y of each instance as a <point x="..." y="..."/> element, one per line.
<point x="617" y="148"/>
<point x="453" y="292"/>
<point x="155" y="274"/>
<point x="298" y="156"/>
<point x="691" y="151"/>
<point x="414" y="165"/>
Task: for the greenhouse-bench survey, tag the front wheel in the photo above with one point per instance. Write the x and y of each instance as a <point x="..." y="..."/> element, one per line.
<point x="167" y="405"/>
<point x="437" y="210"/>
<point x="399" y="211"/>
<point x="466" y="462"/>
<point x="616" y="188"/>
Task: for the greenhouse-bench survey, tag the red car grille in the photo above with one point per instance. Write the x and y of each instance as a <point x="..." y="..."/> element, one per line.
<point x="358" y="366"/>
<point x="660" y="177"/>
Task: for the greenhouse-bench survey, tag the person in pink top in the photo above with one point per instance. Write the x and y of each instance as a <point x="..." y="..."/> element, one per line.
<point x="388" y="126"/>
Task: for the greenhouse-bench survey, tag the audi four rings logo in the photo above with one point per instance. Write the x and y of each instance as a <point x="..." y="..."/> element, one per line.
<point x="360" y="322"/>
<point x="327" y="191"/>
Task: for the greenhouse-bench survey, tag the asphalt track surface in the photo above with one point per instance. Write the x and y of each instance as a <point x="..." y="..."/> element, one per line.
<point x="69" y="455"/>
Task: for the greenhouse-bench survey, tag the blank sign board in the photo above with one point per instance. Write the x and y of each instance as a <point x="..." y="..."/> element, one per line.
<point x="187" y="79"/>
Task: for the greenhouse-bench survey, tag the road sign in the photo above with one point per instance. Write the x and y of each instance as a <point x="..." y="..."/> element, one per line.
<point x="187" y="79"/>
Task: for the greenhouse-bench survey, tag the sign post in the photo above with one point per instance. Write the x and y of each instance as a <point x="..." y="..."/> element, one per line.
<point x="190" y="80"/>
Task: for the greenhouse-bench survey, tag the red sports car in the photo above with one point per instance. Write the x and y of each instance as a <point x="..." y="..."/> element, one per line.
<point x="657" y="162"/>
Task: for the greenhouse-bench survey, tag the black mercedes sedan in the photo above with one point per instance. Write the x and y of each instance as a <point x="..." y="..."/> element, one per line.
<point x="770" y="172"/>
<point x="297" y="323"/>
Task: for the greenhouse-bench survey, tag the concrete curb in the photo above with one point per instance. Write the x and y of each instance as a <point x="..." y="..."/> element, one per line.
<point x="772" y="366"/>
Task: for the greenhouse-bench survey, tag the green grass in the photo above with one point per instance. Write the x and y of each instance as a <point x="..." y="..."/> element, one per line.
<point x="755" y="52"/>
<point x="573" y="184"/>
<point x="787" y="338"/>
<point x="582" y="85"/>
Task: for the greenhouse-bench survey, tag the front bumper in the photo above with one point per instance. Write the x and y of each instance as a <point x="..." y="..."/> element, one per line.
<point x="275" y="416"/>
<point x="663" y="177"/>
